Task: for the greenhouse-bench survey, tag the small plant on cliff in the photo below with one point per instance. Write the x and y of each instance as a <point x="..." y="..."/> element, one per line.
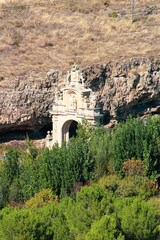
<point x="113" y="15"/>
<point x="134" y="71"/>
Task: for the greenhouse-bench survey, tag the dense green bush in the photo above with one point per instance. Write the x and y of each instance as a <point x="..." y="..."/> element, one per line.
<point x="41" y="199"/>
<point x="94" y="214"/>
<point x="61" y="168"/>
<point x="138" y="140"/>
<point x="90" y="205"/>
<point x="99" y="147"/>
<point x="87" y="157"/>
<point x="24" y="224"/>
<point x="138" y="221"/>
<point x="47" y="223"/>
<point x="108" y="227"/>
<point x="127" y="142"/>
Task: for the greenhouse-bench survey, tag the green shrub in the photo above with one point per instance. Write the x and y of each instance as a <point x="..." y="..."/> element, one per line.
<point x="26" y="223"/>
<point x="113" y="15"/>
<point x="99" y="146"/>
<point x="90" y="205"/>
<point x="138" y="221"/>
<point x="134" y="139"/>
<point x="108" y="227"/>
<point x="126" y="188"/>
<point x="110" y="182"/>
<point x="42" y="199"/>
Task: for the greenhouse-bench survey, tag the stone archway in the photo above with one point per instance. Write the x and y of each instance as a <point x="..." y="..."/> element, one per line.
<point x="73" y="102"/>
<point x="69" y="130"/>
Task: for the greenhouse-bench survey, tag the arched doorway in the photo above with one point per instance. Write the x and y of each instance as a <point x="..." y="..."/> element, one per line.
<point x="72" y="129"/>
<point x="73" y="102"/>
<point x="69" y="130"/>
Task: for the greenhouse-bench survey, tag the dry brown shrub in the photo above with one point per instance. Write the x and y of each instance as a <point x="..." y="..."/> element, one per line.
<point x="142" y="68"/>
<point x="4" y="47"/>
<point x="133" y="71"/>
<point x="133" y="167"/>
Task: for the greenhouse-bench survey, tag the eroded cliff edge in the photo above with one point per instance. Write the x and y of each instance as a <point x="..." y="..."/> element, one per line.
<point x="122" y="88"/>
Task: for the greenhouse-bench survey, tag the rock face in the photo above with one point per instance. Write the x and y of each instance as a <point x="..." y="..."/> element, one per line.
<point x="25" y="104"/>
<point x="130" y="87"/>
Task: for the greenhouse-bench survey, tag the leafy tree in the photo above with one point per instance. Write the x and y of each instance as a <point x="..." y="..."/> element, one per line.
<point x="99" y="146"/>
<point x="127" y="142"/>
<point x="77" y="166"/>
<point x="9" y="178"/>
<point x="15" y="191"/>
<point x="108" y="227"/>
<point x="61" y="168"/>
<point x="50" y="167"/>
<point x="84" y="130"/>
<point x="28" y="179"/>
<point x="151" y="146"/>
<point x="91" y="203"/>
<point x="138" y="221"/>
<point x="11" y="166"/>
<point x="42" y="199"/>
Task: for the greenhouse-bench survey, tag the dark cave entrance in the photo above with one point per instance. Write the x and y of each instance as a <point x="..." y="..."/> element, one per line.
<point x="72" y="129"/>
<point x="22" y="132"/>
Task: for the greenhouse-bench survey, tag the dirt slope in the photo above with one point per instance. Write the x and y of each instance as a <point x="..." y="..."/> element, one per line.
<point x="39" y="35"/>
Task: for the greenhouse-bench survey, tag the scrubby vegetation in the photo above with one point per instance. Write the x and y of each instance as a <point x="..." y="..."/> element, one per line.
<point x="103" y="185"/>
<point x="51" y="34"/>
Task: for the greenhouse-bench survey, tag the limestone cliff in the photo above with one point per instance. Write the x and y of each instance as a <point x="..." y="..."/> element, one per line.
<point x="24" y="104"/>
<point x="131" y="87"/>
<point x="122" y="88"/>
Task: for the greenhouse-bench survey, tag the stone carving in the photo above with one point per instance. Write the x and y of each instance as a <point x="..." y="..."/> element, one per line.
<point x="73" y="102"/>
<point x="74" y="76"/>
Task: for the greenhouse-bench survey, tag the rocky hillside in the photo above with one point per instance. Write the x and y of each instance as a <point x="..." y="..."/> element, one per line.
<point x="122" y="88"/>
<point x="128" y="87"/>
<point x="36" y="36"/>
<point x="39" y="35"/>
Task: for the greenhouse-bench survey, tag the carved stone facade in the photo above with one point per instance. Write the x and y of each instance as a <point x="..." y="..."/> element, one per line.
<point x="76" y="102"/>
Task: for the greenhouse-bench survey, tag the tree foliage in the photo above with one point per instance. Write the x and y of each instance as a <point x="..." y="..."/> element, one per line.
<point x="138" y="140"/>
<point x="94" y="214"/>
<point x="99" y="146"/>
<point x="51" y="185"/>
<point x="136" y="215"/>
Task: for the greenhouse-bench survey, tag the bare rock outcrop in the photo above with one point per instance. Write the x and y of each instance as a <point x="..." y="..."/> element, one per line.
<point x="130" y="87"/>
<point x="122" y="88"/>
<point x="24" y="104"/>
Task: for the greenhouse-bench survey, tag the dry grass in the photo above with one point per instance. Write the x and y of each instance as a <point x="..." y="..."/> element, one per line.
<point x="39" y="35"/>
